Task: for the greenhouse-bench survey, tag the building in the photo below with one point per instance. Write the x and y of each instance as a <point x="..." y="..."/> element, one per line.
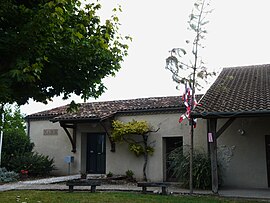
<point x="85" y="135"/>
<point x="232" y="126"/>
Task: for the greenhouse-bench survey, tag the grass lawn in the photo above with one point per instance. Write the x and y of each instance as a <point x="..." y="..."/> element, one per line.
<point x="28" y="196"/>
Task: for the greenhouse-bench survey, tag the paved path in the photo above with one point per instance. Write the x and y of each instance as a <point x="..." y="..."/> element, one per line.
<point x="56" y="183"/>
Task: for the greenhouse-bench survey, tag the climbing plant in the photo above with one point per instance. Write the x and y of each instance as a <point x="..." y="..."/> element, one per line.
<point x="139" y="145"/>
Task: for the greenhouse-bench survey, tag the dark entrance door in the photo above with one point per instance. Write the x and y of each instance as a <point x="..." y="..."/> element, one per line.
<point x="171" y="144"/>
<point x="267" y="147"/>
<point x="96" y="154"/>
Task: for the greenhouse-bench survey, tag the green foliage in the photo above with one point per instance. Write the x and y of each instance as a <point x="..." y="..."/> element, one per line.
<point x="7" y="176"/>
<point x="128" y="132"/>
<point x="134" y="127"/>
<point x="17" y="148"/>
<point x="53" y="47"/>
<point x="110" y="174"/>
<point x="179" y="162"/>
<point x="129" y="174"/>
<point x="137" y="149"/>
<point x="36" y="164"/>
<point x="15" y="140"/>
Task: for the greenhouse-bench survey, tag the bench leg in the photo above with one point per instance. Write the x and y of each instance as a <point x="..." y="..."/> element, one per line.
<point x="144" y="189"/>
<point x="93" y="188"/>
<point x="164" y="190"/>
<point x="70" y="187"/>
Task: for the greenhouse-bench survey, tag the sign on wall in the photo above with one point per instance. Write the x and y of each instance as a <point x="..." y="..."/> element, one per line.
<point x="50" y="132"/>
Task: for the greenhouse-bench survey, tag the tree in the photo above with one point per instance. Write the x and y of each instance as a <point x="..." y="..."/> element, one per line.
<point x="54" y="47"/>
<point x="188" y="67"/>
<point x="126" y="132"/>
<point x="15" y="138"/>
<point x="17" y="153"/>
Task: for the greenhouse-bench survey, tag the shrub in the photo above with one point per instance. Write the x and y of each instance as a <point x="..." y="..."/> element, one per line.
<point x="110" y="174"/>
<point x="15" y="140"/>
<point x="17" y="148"/>
<point x="129" y="174"/>
<point x="179" y="164"/>
<point x="14" y="144"/>
<point x="8" y="176"/>
<point x="36" y="164"/>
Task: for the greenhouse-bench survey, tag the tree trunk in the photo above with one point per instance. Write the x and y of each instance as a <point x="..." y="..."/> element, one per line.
<point x="1" y="130"/>
<point x="145" y="156"/>
<point x="191" y="158"/>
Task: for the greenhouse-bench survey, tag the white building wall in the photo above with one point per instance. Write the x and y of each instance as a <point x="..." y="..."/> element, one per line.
<point x="123" y="160"/>
<point x="118" y="162"/>
<point x="245" y="155"/>
<point x="56" y="146"/>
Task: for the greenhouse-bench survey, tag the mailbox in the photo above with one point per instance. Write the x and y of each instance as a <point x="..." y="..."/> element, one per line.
<point x="69" y="159"/>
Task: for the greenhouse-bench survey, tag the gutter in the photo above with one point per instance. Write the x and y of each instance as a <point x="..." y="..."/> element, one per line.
<point x="151" y="110"/>
<point x="206" y="115"/>
<point x="76" y="120"/>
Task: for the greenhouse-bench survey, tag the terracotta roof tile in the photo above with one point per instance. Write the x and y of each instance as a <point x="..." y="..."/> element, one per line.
<point x="237" y="90"/>
<point x="101" y="110"/>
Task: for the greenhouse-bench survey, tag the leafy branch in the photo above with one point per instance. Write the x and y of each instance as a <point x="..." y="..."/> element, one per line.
<point x="188" y="67"/>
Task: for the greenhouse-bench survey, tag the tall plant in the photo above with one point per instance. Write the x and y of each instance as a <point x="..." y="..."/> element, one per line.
<point x="179" y="165"/>
<point x="187" y="67"/>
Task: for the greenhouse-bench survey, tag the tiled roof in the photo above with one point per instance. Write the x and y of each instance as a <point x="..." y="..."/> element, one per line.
<point x="101" y="110"/>
<point x="237" y="91"/>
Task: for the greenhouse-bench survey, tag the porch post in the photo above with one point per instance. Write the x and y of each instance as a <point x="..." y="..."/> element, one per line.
<point x="212" y="140"/>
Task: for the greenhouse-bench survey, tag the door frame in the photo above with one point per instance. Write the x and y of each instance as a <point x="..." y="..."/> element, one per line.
<point x="166" y="140"/>
<point x="102" y="170"/>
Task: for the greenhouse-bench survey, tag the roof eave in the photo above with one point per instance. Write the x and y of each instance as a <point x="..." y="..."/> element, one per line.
<point x="151" y="110"/>
<point x="75" y="120"/>
<point x="206" y="115"/>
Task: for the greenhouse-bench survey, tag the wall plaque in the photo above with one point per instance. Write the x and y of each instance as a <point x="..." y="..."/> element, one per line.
<point x="50" y="132"/>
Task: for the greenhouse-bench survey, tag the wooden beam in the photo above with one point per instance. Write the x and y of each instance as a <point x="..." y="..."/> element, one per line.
<point x="224" y="127"/>
<point x="72" y="138"/>
<point x="109" y="136"/>
<point x="74" y="135"/>
<point x="212" y="140"/>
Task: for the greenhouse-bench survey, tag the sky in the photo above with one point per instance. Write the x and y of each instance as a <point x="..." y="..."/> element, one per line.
<point x="238" y="35"/>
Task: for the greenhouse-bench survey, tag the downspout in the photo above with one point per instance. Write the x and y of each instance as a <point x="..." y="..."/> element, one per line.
<point x="28" y="127"/>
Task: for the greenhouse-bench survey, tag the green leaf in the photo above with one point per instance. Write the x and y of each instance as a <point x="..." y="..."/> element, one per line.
<point x="59" y="10"/>
<point x="79" y="35"/>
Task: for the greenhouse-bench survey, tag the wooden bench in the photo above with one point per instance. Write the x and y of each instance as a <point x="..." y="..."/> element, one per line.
<point x="92" y="183"/>
<point x="144" y="186"/>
